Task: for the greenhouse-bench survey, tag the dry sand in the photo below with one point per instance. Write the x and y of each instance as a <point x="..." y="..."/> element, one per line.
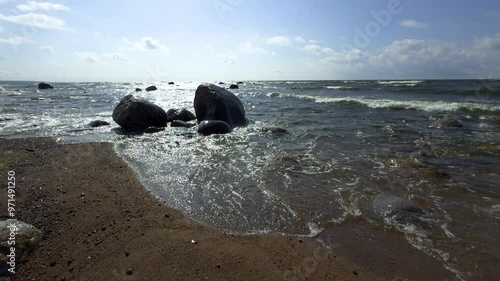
<point x="100" y="223"/>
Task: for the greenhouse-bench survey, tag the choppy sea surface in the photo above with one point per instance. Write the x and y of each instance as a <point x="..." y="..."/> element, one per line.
<point x="348" y="141"/>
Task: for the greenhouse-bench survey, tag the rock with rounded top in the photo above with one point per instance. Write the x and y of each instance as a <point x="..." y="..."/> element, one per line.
<point x="134" y="114"/>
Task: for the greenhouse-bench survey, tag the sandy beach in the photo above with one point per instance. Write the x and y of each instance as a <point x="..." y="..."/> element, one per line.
<point x="100" y="223"/>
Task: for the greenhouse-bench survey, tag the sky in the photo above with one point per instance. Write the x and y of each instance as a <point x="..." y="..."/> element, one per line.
<point x="195" y="40"/>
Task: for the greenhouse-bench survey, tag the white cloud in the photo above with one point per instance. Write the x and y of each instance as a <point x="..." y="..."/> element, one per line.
<point x="317" y="50"/>
<point x="313" y="41"/>
<point x="36" y="20"/>
<point x="88" y="57"/>
<point x="488" y="42"/>
<point x="146" y="44"/>
<point x="299" y="39"/>
<point x="280" y="41"/>
<point x="32" y="6"/>
<point x="48" y="49"/>
<point x="17" y="40"/>
<point x="411" y="23"/>
<point x="249" y="47"/>
<point x="116" y="57"/>
<point x="1" y="29"/>
<point x="226" y="58"/>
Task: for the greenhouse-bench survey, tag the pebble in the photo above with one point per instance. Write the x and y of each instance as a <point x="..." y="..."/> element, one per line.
<point x="194" y="242"/>
<point x="129" y="271"/>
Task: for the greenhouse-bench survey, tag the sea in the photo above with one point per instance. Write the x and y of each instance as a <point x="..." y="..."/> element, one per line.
<point x="347" y="141"/>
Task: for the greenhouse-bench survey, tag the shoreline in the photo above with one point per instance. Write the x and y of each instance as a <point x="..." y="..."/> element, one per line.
<point x="99" y="222"/>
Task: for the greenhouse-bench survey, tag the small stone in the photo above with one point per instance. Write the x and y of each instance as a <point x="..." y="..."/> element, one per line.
<point x="218" y="265"/>
<point x="129" y="271"/>
<point x="52" y="263"/>
<point x="194" y="242"/>
<point x="83" y="194"/>
<point x="354" y="272"/>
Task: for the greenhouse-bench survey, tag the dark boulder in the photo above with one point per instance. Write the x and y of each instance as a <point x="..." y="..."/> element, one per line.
<point x="212" y="102"/>
<point x="171" y="83"/>
<point x="98" y="123"/>
<point x="44" y="86"/>
<point x="151" y="88"/>
<point x="138" y="89"/>
<point x="180" y="123"/>
<point x="239" y="83"/>
<point x="274" y="130"/>
<point x="138" y="114"/>
<point x="234" y="86"/>
<point x="210" y="127"/>
<point x="447" y="122"/>
<point x="180" y="114"/>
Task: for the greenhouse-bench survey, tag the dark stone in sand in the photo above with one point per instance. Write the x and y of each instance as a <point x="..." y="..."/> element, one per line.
<point x="98" y="123"/>
<point x="44" y="86"/>
<point x="274" y="130"/>
<point x="138" y="89"/>
<point x="447" y="122"/>
<point x="138" y="114"/>
<point x="171" y="83"/>
<point x="180" y="123"/>
<point x="386" y="206"/>
<point x="212" y="102"/>
<point x="27" y="238"/>
<point x="234" y="86"/>
<point x="210" y="127"/>
<point x="151" y="88"/>
<point x="180" y="114"/>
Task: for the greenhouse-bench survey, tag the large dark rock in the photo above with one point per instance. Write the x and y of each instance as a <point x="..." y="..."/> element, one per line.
<point x="151" y="88"/>
<point x="44" y="86"/>
<point x="98" y="123"/>
<point x="234" y="86"/>
<point x="138" y="114"/>
<point x="210" y="127"/>
<point x="212" y="102"/>
<point x="180" y="114"/>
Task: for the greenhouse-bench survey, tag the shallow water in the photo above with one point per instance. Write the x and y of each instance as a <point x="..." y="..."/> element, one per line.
<point x="348" y="141"/>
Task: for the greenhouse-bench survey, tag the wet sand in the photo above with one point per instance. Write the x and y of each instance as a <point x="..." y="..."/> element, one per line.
<point x="100" y="223"/>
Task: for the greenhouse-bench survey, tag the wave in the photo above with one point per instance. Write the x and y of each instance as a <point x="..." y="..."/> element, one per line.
<point x="397" y="82"/>
<point x="342" y="87"/>
<point x="440" y="106"/>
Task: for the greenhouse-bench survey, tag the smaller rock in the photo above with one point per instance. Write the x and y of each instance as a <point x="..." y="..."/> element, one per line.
<point x="234" y="86"/>
<point x="180" y="123"/>
<point x="447" y="122"/>
<point x="239" y="83"/>
<point x="209" y="127"/>
<point x="130" y="271"/>
<point x="171" y="83"/>
<point x="274" y="130"/>
<point x="151" y="88"/>
<point x="98" y="123"/>
<point x="2" y="119"/>
<point x="44" y="86"/>
<point x="221" y="83"/>
<point x="194" y="242"/>
<point x="138" y="89"/>
<point x="180" y="114"/>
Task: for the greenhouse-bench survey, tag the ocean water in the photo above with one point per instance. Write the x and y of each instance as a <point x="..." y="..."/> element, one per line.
<point x="348" y="141"/>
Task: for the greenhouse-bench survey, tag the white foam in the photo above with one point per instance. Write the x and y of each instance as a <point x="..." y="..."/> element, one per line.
<point x="399" y="82"/>
<point x="340" y="87"/>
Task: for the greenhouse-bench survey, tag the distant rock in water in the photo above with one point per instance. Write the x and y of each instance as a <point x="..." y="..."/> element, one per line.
<point x="221" y="83"/>
<point x="212" y="102"/>
<point x="138" y="89"/>
<point x="98" y="123"/>
<point x="2" y="119"/>
<point x="239" y="83"/>
<point x="234" y="86"/>
<point x="151" y="88"/>
<point x="171" y="83"/>
<point x="210" y="127"/>
<point x="138" y="114"/>
<point x="27" y="239"/>
<point x="447" y="122"/>
<point x="180" y="114"/>
<point x="44" y="86"/>
<point x="274" y="130"/>
<point x="180" y="123"/>
<point x="388" y="205"/>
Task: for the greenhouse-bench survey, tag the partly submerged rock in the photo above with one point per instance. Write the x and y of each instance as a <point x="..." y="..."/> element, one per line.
<point x="27" y="238"/>
<point x="239" y="83"/>
<point x="274" y="130"/>
<point x="447" y="122"/>
<point x="171" y="83"/>
<point x="151" y="88"/>
<point x="180" y="114"/>
<point x="234" y="86"/>
<point x="98" y="123"/>
<point x="210" y="127"/>
<point x="212" y="102"/>
<point x="44" y="86"/>
<point x="138" y="114"/>
<point x="138" y="89"/>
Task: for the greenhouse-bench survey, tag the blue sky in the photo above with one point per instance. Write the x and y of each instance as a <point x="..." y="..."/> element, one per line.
<point x="187" y="40"/>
